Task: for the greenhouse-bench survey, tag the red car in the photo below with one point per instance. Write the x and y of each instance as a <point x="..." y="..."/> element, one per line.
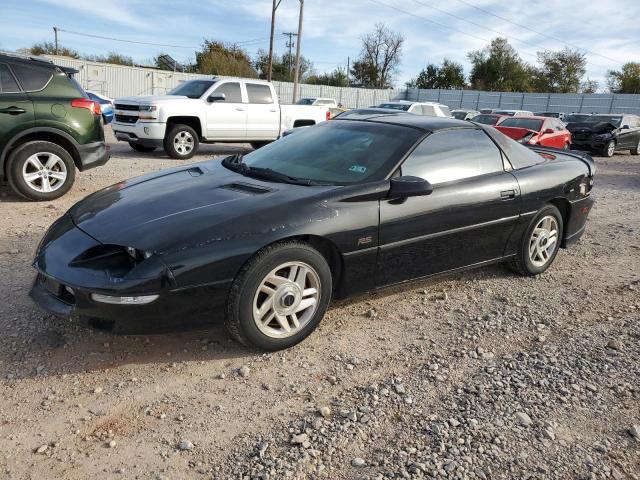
<point x="548" y="132"/>
<point x="489" y="118"/>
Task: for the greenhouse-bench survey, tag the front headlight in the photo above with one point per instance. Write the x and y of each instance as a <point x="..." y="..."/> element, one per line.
<point x="148" y="112"/>
<point x="137" y="255"/>
<point x="148" y="108"/>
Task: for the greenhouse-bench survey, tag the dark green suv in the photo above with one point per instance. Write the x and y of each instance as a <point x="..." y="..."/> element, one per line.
<point x="48" y="128"/>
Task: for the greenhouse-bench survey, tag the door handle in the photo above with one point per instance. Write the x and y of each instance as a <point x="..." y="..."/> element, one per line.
<point x="508" y="194"/>
<point x="12" y="110"/>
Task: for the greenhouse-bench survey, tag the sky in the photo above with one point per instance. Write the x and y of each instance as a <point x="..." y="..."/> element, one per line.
<point x="605" y="30"/>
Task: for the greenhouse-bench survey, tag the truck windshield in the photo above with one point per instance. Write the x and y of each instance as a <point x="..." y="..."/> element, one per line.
<point x="305" y="101"/>
<point x="341" y="152"/>
<point x="192" y="88"/>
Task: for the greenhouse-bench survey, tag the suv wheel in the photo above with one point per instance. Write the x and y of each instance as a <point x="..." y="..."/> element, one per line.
<point x="41" y="170"/>
<point x="609" y="149"/>
<point x="181" y="142"/>
<point x="141" y="148"/>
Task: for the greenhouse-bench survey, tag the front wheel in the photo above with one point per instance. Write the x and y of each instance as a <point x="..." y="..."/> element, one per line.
<point x="636" y="150"/>
<point x="41" y="170"/>
<point x="279" y="297"/>
<point x="181" y="142"/>
<point x="609" y="149"/>
<point x="141" y="148"/>
<point x="540" y="243"/>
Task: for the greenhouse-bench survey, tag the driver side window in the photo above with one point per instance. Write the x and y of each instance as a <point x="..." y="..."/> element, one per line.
<point x="451" y="155"/>
<point x="231" y="91"/>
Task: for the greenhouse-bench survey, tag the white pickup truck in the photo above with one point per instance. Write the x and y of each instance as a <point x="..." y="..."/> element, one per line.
<point x="209" y="110"/>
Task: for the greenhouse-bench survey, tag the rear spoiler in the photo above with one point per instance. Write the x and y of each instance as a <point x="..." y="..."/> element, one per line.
<point x="67" y="70"/>
<point x="584" y="157"/>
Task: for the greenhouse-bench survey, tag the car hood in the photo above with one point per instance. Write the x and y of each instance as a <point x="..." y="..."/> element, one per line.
<point x="516" y="132"/>
<point x="144" y="99"/>
<point x="163" y="211"/>
<point x="601" y="127"/>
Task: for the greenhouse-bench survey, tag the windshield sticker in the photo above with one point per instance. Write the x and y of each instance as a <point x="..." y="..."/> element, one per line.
<point x="357" y="169"/>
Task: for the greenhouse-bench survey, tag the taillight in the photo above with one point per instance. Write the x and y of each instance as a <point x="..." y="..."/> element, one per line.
<point x="93" y="107"/>
<point x="328" y="115"/>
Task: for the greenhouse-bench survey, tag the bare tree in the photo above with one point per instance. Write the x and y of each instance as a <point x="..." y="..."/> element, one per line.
<point x="379" y="59"/>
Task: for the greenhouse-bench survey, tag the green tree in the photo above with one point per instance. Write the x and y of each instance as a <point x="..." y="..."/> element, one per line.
<point x="111" y="57"/>
<point x="589" y="86"/>
<point x="337" y="78"/>
<point x="625" y="80"/>
<point x="379" y="58"/>
<point x="283" y="66"/>
<point x="217" y="58"/>
<point x="428" y="77"/>
<point x="49" y="48"/>
<point x="560" y="72"/>
<point x="498" y="67"/>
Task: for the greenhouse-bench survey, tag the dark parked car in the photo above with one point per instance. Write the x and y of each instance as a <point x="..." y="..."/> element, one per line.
<point x="489" y="118"/>
<point x="347" y="206"/>
<point x="558" y="115"/>
<point x="48" y="128"/>
<point x="463" y="114"/>
<point x="576" y="117"/>
<point x="607" y="134"/>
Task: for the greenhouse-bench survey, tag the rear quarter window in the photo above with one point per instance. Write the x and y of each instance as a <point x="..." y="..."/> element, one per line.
<point x="32" y="79"/>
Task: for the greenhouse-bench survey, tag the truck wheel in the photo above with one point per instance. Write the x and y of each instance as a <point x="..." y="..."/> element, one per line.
<point x="181" y="142"/>
<point x="257" y="145"/>
<point x="141" y="148"/>
<point x="636" y="150"/>
<point x="41" y="170"/>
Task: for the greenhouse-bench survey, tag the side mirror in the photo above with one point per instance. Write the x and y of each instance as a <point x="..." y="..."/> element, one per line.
<point x="216" y="97"/>
<point x="409" y="186"/>
<point x="548" y="130"/>
<point x="625" y="127"/>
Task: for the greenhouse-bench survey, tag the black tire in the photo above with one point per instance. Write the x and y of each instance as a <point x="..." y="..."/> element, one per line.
<point x="257" y="145"/>
<point x="239" y="312"/>
<point x="636" y="149"/>
<point x="19" y="157"/>
<point x="522" y="262"/>
<point x="170" y="138"/>
<point x="607" y="151"/>
<point x="141" y="148"/>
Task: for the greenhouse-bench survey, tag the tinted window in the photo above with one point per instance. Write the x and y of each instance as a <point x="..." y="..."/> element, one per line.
<point x="192" y="88"/>
<point x="577" y="118"/>
<point x="505" y="112"/>
<point x="522" y="122"/>
<point x="231" y="92"/>
<point x="32" y="79"/>
<point x="452" y="155"/>
<point x="396" y="106"/>
<point x="617" y="121"/>
<point x="459" y="115"/>
<point x="485" y="119"/>
<point x="7" y="82"/>
<point x="305" y="101"/>
<point x="259" y="93"/>
<point x="337" y="152"/>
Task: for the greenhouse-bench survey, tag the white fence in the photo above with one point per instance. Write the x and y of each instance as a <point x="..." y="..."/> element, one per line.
<point x="120" y="81"/>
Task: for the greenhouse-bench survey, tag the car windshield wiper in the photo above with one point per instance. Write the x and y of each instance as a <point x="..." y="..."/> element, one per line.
<point x="235" y="163"/>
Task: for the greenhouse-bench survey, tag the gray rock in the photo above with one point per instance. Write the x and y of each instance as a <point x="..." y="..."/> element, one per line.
<point x="324" y="411"/>
<point x="634" y="431"/>
<point x="243" y="371"/>
<point x="299" y="439"/>
<point x="523" y="419"/>
<point x="185" y="445"/>
<point x="358" y="462"/>
<point x="42" y="448"/>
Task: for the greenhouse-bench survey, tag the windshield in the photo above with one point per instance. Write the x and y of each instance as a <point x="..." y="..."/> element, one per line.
<point x="396" y="106"/>
<point x="459" y="115"/>
<point x="505" y="112"/>
<point x="604" y="118"/>
<point x="576" y="118"/>
<point x="486" y="119"/>
<point x="522" y="122"/>
<point x="192" y="88"/>
<point x="306" y="101"/>
<point x="337" y="153"/>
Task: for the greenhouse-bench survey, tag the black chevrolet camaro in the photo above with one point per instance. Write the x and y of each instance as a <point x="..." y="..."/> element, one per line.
<point x="265" y="241"/>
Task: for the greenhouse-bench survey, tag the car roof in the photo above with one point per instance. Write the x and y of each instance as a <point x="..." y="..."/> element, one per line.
<point x="38" y="61"/>
<point x="409" y="102"/>
<point x="463" y="110"/>
<point x="532" y="117"/>
<point x="421" y="122"/>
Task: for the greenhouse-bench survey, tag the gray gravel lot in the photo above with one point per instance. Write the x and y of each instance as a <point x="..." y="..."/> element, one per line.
<point x="477" y="375"/>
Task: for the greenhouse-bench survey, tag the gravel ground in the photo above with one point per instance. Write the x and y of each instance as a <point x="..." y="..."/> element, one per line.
<point x="478" y="375"/>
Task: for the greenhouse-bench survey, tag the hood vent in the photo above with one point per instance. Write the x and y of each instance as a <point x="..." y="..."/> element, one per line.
<point x="247" y="188"/>
<point x="195" y="171"/>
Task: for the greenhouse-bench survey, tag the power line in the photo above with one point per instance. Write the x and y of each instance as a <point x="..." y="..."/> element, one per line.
<point x="537" y="32"/>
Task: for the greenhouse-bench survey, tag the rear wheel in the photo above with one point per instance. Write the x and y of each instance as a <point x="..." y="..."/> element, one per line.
<point x="181" y="142"/>
<point x="609" y="149"/>
<point x="540" y="242"/>
<point x="41" y="170"/>
<point x="279" y="297"/>
<point x="141" y="148"/>
<point x="636" y="150"/>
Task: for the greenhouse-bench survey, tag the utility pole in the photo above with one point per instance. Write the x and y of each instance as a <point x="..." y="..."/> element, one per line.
<point x="290" y="45"/>
<point x="297" y="72"/>
<point x="348" y="67"/>
<point x="276" y="4"/>
<point x="55" y="34"/>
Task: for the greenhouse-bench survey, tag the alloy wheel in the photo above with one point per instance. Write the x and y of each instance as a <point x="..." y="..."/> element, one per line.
<point x="44" y="172"/>
<point x="286" y="299"/>
<point x="544" y="241"/>
<point x="183" y="142"/>
<point x="611" y="148"/>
